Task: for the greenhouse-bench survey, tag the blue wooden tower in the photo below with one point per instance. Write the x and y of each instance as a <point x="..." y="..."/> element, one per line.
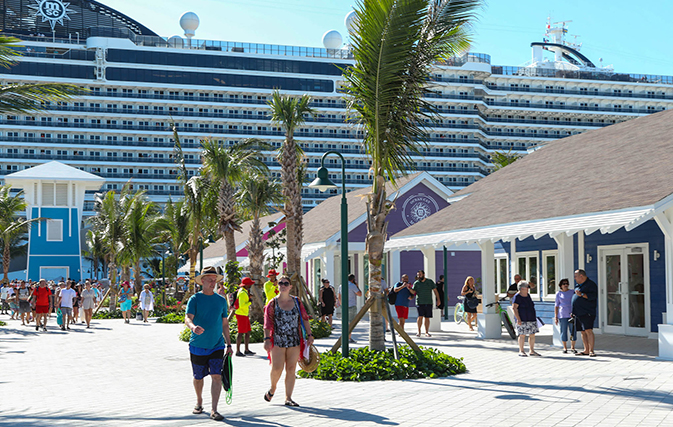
<point x="56" y="192"/>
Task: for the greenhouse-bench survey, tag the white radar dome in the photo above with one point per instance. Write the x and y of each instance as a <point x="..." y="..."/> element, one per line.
<point x="189" y="22"/>
<point x="332" y="40"/>
<point x="175" y="41"/>
<point x="351" y="21"/>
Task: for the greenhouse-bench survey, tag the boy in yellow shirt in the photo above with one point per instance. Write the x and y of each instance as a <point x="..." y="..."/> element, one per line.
<point x="242" y="306"/>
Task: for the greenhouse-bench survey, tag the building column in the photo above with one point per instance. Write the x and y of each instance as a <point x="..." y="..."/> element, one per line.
<point x="489" y="325"/>
<point x="430" y="272"/>
<point x="566" y="257"/>
<point x="359" y="259"/>
<point x="581" y="254"/>
<point x="665" y="222"/>
<point x="512" y="261"/>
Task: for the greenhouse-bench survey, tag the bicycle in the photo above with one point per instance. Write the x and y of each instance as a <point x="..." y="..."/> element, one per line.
<point x="504" y="317"/>
<point x="459" y="313"/>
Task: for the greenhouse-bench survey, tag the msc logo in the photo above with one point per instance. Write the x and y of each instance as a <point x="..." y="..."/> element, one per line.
<point x="53" y="11"/>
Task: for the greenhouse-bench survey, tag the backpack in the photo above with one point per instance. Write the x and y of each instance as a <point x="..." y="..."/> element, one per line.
<point x="392" y="296"/>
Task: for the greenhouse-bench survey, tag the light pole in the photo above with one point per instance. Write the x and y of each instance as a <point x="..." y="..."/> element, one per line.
<point x="322" y="183"/>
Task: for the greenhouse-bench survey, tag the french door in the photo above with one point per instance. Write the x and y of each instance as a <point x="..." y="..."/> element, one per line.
<point x="625" y="290"/>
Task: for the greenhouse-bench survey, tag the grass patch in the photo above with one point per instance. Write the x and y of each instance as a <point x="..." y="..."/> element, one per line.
<point x="364" y="364"/>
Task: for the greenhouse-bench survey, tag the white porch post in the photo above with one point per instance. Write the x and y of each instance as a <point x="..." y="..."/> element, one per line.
<point x="665" y="222"/>
<point x="581" y="254"/>
<point x="363" y="281"/>
<point x="395" y="268"/>
<point x="566" y="270"/>
<point x="489" y="321"/>
<point x="512" y="261"/>
<point x="430" y="273"/>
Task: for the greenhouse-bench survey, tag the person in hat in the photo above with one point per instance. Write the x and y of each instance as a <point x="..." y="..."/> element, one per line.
<point x="271" y="286"/>
<point x="206" y="317"/>
<point x="242" y="306"/>
<point x="126" y="301"/>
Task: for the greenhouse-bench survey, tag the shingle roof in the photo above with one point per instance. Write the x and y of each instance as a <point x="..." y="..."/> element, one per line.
<point x="219" y="249"/>
<point x="324" y="221"/>
<point x="620" y="166"/>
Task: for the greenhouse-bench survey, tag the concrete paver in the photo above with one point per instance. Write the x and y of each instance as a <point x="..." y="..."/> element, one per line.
<point x="139" y="374"/>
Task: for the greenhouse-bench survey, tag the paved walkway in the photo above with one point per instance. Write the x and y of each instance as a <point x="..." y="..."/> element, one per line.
<point x="139" y="375"/>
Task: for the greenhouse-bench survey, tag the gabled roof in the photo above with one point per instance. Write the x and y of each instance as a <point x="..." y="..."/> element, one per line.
<point x="56" y="171"/>
<point x="219" y="249"/>
<point x="620" y="167"/>
<point x="324" y="221"/>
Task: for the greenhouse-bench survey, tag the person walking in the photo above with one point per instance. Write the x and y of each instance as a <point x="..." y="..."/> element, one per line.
<point x="126" y="301"/>
<point x="283" y="318"/>
<point x="42" y="296"/>
<point x="327" y="301"/>
<point x="66" y="299"/>
<point x="403" y="291"/>
<point x="242" y="306"/>
<point x="526" y="319"/>
<point x="23" y="295"/>
<point x="206" y="317"/>
<point x="423" y="289"/>
<point x="77" y="303"/>
<point x="469" y="304"/>
<point x="584" y="304"/>
<point x="353" y="292"/>
<point x="271" y="286"/>
<point x="440" y="292"/>
<point x="5" y="292"/>
<point x="562" y="313"/>
<point x="146" y="301"/>
<point x="88" y="302"/>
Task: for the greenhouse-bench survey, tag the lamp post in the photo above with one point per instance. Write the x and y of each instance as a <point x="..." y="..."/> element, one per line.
<point x="322" y="183"/>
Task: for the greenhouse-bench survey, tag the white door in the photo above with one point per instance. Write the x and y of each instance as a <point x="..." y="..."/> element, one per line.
<point x="624" y="290"/>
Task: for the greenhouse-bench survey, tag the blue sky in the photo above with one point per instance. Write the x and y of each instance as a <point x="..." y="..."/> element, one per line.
<point x="634" y="37"/>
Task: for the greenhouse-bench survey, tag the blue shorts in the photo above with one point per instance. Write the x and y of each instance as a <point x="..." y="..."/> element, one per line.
<point x="210" y="364"/>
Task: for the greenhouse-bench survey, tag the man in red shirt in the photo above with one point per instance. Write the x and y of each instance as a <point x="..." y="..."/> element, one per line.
<point x="42" y="308"/>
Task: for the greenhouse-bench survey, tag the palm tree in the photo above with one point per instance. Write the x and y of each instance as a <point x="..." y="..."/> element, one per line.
<point x="199" y="203"/>
<point x="500" y="159"/>
<point x="12" y="227"/>
<point x="290" y="113"/>
<point x="227" y="165"/>
<point x="257" y="197"/>
<point x="96" y="251"/>
<point x="24" y="98"/>
<point x="394" y="45"/>
<point x="142" y="223"/>
<point x="176" y="227"/>
<point x="110" y="221"/>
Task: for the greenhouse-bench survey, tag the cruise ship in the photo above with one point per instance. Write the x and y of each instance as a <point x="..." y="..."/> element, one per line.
<point x="140" y="82"/>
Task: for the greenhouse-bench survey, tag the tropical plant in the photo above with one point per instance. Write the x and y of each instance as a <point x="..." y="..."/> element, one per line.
<point x="394" y="45"/>
<point x="257" y="196"/>
<point x="500" y="159"/>
<point x="13" y="228"/>
<point x="226" y="166"/>
<point x="142" y="223"/>
<point x="176" y="227"/>
<point x="199" y="202"/>
<point x="275" y="240"/>
<point x="24" y="98"/>
<point x="95" y="252"/>
<point x="289" y="113"/>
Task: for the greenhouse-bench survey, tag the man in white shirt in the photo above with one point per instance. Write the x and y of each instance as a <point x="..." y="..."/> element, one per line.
<point x="65" y="300"/>
<point x="5" y="293"/>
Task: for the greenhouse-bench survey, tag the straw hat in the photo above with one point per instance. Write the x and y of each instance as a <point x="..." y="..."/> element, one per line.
<point x="208" y="271"/>
<point x="310" y="364"/>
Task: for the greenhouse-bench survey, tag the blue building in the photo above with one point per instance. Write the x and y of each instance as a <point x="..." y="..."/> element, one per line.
<point x="55" y="192"/>
<point x="600" y="201"/>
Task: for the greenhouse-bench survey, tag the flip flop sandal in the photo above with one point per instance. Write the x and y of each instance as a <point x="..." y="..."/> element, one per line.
<point x="216" y="416"/>
<point x="573" y="350"/>
<point x="535" y="354"/>
<point x="268" y="396"/>
<point x="565" y="351"/>
<point x="581" y="354"/>
<point x="197" y="410"/>
<point x="523" y="355"/>
<point x="291" y="403"/>
<point x="592" y="354"/>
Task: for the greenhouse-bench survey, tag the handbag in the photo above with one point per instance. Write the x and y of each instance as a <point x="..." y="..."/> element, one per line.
<point x="310" y="358"/>
<point x="122" y="299"/>
<point x="472" y="303"/>
<point x="392" y="297"/>
<point x="59" y="317"/>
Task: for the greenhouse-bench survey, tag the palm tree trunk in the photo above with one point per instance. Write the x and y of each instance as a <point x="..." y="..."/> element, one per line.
<point x="256" y="254"/>
<point x="5" y="261"/>
<point x="292" y="208"/>
<point x="230" y="244"/>
<point x="137" y="278"/>
<point x="377" y="209"/>
<point x="112" y="270"/>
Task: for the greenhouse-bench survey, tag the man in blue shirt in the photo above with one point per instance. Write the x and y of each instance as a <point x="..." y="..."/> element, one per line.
<point x="584" y="305"/>
<point x="206" y="317"/>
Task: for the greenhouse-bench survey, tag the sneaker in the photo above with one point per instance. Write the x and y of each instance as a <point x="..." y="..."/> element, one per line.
<point x="239" y="354"/>
<point x="67" y="327"/>
<point x="44" y="328"/>
<point x="249" y="353"/>
<point x="37" y="328"/>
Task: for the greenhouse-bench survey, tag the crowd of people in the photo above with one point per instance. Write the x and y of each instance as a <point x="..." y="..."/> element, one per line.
<point x="35" y="302"/>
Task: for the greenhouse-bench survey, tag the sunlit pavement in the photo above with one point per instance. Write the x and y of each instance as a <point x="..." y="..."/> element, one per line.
<point x="139" y="375"/>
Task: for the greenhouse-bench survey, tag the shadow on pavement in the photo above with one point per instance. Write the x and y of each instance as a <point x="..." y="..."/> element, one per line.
<point x="251" y="421"/>
<point x="345" y="415"/>
<point x="56" y="418"/>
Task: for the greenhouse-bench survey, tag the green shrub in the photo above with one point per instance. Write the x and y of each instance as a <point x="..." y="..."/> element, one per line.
<point x="185" y="334"/>
<point x="172" y="318"/>
<point x="256" y="335"/>
<point x="320" y="329"/>
<point x="2" y="323"/>
<point x="364" y="364"/>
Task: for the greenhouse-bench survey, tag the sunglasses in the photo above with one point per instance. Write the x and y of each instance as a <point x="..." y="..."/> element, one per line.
<point x="284" y="283"/>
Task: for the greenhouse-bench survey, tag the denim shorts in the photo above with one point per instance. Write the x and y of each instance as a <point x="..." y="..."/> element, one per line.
<point x="564" y="326"/>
